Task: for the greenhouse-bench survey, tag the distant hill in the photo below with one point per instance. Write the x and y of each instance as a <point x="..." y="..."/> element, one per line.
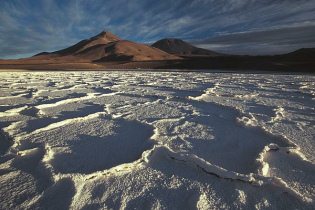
<point x="180" y="47"/>
<point x="302" y="53"/>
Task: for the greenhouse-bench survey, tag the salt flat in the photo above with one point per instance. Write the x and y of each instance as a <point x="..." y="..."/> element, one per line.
<point x="164" y="140"/>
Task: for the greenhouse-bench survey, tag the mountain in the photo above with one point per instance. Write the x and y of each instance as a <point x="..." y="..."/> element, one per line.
<point x="106" y="47"/>
<point x="107" y="51"/>
<point x="304" y="53"/>
<point x="180" y="47"/>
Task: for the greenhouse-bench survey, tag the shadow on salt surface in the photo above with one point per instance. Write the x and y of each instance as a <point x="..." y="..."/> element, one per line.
<point x="29" y="161"/>
<point x="174" y="189"/>
<point x="184" y="93"/>
<point x="5" y="143"/>
<point x="102" y="90"/>
<point x="4" y="108"/>
<point x="235" y="147"/>
<point x="20" y="102"/>
<point x="93" y="153"/>
<point x="296" y="172"/>
<point x="34" y="124"/>
<point x="58" y="196"/>
<point x="47" y="99"/>
<point x="24" y="178"/>
<point x="170" y="200"/>
<point x="254" y="107"/>
<point x="17" y="189"/>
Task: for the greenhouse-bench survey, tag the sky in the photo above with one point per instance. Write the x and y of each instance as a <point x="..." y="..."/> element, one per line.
<point x="253" y="27"/>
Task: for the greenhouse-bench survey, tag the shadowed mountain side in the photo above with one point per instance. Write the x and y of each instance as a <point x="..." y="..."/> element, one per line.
<point x="264" y="63"/>
<point x="301" y="54"/>
<point x="302" y="60"/>
<point x="180" y="47"/>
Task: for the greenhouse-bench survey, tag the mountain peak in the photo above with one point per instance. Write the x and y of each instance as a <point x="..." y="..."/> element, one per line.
<point x="107" y="35"/>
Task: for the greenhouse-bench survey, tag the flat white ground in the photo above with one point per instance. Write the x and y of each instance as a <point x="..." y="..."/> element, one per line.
<point x="110" y="140"/>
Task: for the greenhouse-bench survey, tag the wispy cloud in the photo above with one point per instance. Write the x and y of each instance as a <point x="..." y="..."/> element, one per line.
<point x="31" y="26"/>
<point x="272" y="41"/>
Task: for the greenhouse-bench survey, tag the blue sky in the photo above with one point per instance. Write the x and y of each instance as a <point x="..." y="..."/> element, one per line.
<point x="234" y="26"/>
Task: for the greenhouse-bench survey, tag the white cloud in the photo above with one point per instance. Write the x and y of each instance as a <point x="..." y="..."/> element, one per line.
<point x="50" y="24"/>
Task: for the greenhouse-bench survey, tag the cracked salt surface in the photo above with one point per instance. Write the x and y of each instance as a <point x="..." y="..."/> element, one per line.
<point x="145" y="140"/>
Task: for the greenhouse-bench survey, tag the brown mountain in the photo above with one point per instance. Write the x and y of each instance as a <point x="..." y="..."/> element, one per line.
<point x="106" y="47"/>
<point x="180" y="47"/>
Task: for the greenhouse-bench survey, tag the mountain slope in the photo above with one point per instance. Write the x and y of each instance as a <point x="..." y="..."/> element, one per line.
<point x="180" y="47"/>
<point x="304" y="51"/>
<point x="107" y="47"/>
